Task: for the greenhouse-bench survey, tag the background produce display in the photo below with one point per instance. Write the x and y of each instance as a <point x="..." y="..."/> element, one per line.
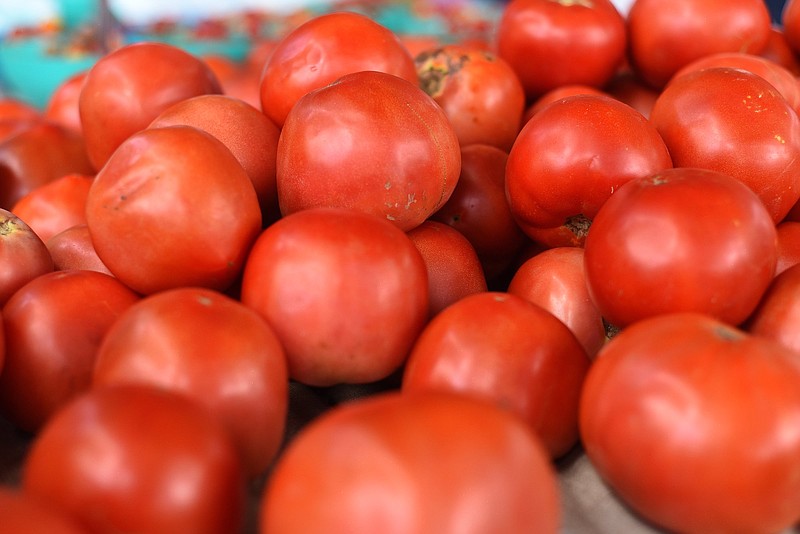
<point x="402" y="266"/>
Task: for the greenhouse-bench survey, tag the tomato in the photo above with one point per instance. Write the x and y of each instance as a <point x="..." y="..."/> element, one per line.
<point x="780" y="51"/>
<point x="55" y="206"/>
<point x="687" y="419"/>
<point x="23" y="254"/>
<point x="346" y="293"/>
<point x="128" y="87"/>
<point x="478" y="90"/>
<point x="247" y="133"/>
<point x="562" y="91"/>
<point x="665" y="36"/>
<point x="178" y="201"/>
<point x="454" y="269"/>
<point x="550" y="43"/>
<point x="778" y="313"/>
<point x="735" y="122"/>
<point x="62" y="106"/>
<point x="555" y="279"/>
<point x="419" y="463"/>
<point x="137" y="458"/>
<point x="15" y="109"/>
<point x="72" y="248"/>
<point x="788" y="245"/>
<point x="573" y="155"/>
<point x="687" y="239"/>
<point x="350" y="145"/>
<point x="212" y="348"/>
<point x="504" y="349"/>
<point x="628" y="87"/>
<point x="479" y="210"/>
<point x="790" y="22"/>
<point x="53" y="328"/>
<point x="322" y="50"/>
<point x="26" y="514"/>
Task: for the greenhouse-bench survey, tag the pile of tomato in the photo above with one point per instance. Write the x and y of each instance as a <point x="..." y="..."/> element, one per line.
<point x="580" y="235"/>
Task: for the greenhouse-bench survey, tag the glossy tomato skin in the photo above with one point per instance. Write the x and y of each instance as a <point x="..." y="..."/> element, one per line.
<point x="201" y="343"/>
<point x="478" y="90"/>
<point x="734" y="122"/>
<point x="23" y="254"/>
<point x="550" y="43"/>
<point x="557" y="93"/>
<point x="778" y="313"/>
<point x="27" y="514"/>
<point x="413" y="464"/>
<point x="690" y="239"/>
<point x="324" y="49"/>
<point x="73" y="249"/>
<point x="672" y="413"/>
<point x="573" y="155"/>
<point x="55" y="206"/>
<point x="159" y="463"/>
<point x="350" y="143"/>
<point x="690" y="29"/>
<point x="346" y="293"/>
<point x="53" y="328"/>
<point x="502" y="348"/>
<point x="128" y="87"/>
<point x="173" y="207"/>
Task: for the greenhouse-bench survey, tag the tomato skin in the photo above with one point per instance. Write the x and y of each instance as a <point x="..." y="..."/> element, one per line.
<point x="178" y="201"/>
<point x="416" y="463"/>
<point x="788" y="245"/>
<point x="672" y="412"/>
<point x="53" y="328"/>
<point x="73" y="249"/>
<point x="26" y="514"/>
<point x="127" y="88"/>
<point x="790" y="22"/>
<point x="778" y="313"/>
<point x="678" y="237"/>
<point x="557" y="93"/>
<point x="159" y="463"/>
<point x="346" y="293"/>
<point x="734" y="122"/>
<point x="62" y="107"/>
<point x="502" y="348"/>
<point x="322" y="50"/>
<point x="348" y="145"/>
<point x="780" y="51"/>
<point x="200" y="342"/>
<point x="56" y="205"/>
<point x="550" y="43"/>
<point x="690" y="29"/>
<point x="22" y="253"/>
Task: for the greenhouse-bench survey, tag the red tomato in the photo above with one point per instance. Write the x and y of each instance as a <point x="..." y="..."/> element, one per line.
<point x="573" y="155"/>
<point x="27" y="514"/>
<point x="454" y="269"/>
<point x="177" y="202"/>
<point x="550" y="43"/>
<point x="247" y="133"/>
<point x="478" y="90"/>
<point x="555" y="279"/>
<point x="737" y="123"/>
<point x="504" y="349"/>
<point x="373" y="142"/>
<point x="479" y="210"/>
<point x="562" y="91"/>
<point x="680" y="240"/>
<point x="138" y="459"/>
<point x="628" y="87"/>
<point x="14" y="109"/>
<point x="778" y="313"/>
<point x="127" y="88"/>
<point x="62" y="106"/>
<point x="790" y="22"/>
<point x="346" y="292"/>
<point x="788" y="245"/>
<point x="55" y="206"/>
<point x="690" y="420"/>
<point x="424" y="463"/>
<point x="324" y="49"/>
<point x="665" y="36"/>
<point x="23" y="254"/>
<point x="73" y="249"/>
<point x="215" y="350"/>
<point x="53" y="328"/>
<point x="780" y="51"/>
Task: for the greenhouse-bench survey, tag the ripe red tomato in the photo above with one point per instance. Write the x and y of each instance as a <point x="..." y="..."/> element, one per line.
<point x="62" y="106"/>
<point x="454" y="269"/>
<point x="788" y="245"/>
<point x="478" y="90"/>
<point x="215" y="350"/>
<point x="780" y="51"/>
<point x="562" y="91"/>
<point x="346" y="293"/>
<point x="27" y="514"/>
<point x="573" y="155"/>
<point x="555" y="279"/>
<point x="137" y="458"/>
<point x="127" y="88"/>
<point x="628" y="87"/>
<point x="173" y="207"/>
<point x="55" y="206"/>
<point x="550" y="43"/>
<point x="504" y="349"/>
<point x="735" y="122"/>
<point x="790" y="22"/>
<point x="53" y="328"/>
<point x="373" y="142"/>
<point x="322" y="50"/>
<point x="778" y="313"/>
<point x="73" y="249"/>
<point x="683" y="239"/>
<point x="15" y="109"/>
<point x="665" y="36"/>
<point x="424" y="463"/>
<point x="23" y="254"/>
<point x="688" y="420"/>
